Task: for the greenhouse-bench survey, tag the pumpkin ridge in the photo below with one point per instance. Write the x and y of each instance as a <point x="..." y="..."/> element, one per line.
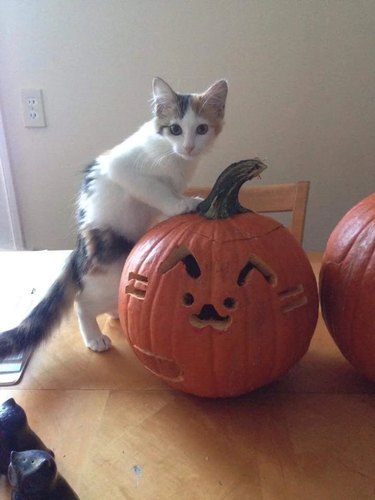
<point x="355" y="306"/>
<point x="245" y="368"/>
<point x="275" y="368"/>
<point x="154" y="312"/>
<point x="353" y="242"/>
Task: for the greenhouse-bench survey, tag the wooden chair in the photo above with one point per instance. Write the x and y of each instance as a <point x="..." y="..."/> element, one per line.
<point x="273" y="198"/>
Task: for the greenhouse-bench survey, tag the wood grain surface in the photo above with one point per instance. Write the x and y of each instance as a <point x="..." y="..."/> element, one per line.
<point x="120" y="433"/>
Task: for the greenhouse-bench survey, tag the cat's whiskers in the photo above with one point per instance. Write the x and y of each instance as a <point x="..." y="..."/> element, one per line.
<point x="140" y="161"/>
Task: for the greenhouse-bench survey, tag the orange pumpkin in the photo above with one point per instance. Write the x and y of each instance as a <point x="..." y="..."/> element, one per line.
<point x="222" y="301"/>
<point x="347" y="286"/>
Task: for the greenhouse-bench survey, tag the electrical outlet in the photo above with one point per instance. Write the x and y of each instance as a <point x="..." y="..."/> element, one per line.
<point x="33" y="108"/>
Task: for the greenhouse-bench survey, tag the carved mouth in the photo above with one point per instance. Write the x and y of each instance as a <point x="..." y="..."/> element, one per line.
<point x="165" y="368"/>
<point x="208" y="316"/>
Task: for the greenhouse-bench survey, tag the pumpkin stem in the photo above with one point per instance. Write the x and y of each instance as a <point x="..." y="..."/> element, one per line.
<point x="223" y="202"/>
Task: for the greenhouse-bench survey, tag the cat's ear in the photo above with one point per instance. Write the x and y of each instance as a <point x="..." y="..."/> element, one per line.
<point x="164" y="97"/>
<point x="48" y="465"/>
<point x="215" y="97"/>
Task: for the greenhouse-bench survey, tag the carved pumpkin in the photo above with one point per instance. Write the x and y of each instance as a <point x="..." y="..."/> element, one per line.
<point x="222" y="301"/>
<point x="347" y="286"/>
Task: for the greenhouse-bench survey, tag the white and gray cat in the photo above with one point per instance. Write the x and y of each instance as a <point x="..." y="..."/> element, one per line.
<point x="123" y="192"/>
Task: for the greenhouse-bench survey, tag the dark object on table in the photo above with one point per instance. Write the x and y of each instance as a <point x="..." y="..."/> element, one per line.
<point x="33" y="475"/>
<point x="13" y="367"/>
<point x="15" y="433"/>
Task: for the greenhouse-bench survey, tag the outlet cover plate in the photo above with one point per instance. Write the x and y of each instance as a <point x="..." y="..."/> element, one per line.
<point x="33" y="108"/>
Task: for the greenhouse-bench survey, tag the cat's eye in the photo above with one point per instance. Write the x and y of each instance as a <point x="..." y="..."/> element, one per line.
<point x="202" y="129"/>
<point x="175" y="129"/>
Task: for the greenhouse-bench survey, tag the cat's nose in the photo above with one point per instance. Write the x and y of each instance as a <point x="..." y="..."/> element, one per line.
<point x="189" y="148"/>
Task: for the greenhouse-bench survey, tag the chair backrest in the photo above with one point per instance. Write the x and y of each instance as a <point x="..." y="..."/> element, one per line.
<point x="273" y="198"/>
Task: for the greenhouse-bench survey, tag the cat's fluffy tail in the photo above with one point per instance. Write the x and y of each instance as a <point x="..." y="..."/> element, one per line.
<point x="46" y="315"/>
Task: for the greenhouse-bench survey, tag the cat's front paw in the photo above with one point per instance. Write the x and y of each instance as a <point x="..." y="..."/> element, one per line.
<point x="100" y="344"/>
<point x="184" y="205"/>
<point x="192" y="203"/>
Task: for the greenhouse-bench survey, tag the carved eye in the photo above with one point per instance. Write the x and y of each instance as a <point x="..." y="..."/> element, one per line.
<point x="181" y="254"/>
<point x="188" y="299"/>
<point x="202" y="129"/>
<point x="229" y="302"/>
<point x="255" y="262"/>
<point x="175" y="129"/>
<point x="192" y="266"/>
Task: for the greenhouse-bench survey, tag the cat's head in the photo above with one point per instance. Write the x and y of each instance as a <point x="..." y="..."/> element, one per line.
<point x="31" y="471"/>
<point x="190" y="122"/>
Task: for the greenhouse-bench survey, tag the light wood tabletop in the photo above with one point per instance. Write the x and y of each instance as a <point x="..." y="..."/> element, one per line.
<point x="118" y="432"/>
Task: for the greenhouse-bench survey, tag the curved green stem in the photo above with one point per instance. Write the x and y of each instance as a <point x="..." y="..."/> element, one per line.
<point x="223" y="202"/>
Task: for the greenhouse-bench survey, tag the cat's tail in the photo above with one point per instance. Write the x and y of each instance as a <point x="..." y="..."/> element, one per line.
<point x="46" y="315"/>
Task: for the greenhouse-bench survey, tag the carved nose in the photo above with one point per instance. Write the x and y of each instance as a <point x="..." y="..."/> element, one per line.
<point x="208" y="312"/>
<point x="209" y="317"/>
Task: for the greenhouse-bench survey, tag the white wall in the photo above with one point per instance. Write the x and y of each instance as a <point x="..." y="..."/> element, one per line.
<point x="302" y="93"/>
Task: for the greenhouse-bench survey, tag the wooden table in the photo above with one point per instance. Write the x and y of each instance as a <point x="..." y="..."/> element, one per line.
<point x="120" y="433"/>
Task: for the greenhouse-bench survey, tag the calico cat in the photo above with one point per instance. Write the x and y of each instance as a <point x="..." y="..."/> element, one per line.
<point x="123" y="192"/>
<point x="33" y="475"/>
